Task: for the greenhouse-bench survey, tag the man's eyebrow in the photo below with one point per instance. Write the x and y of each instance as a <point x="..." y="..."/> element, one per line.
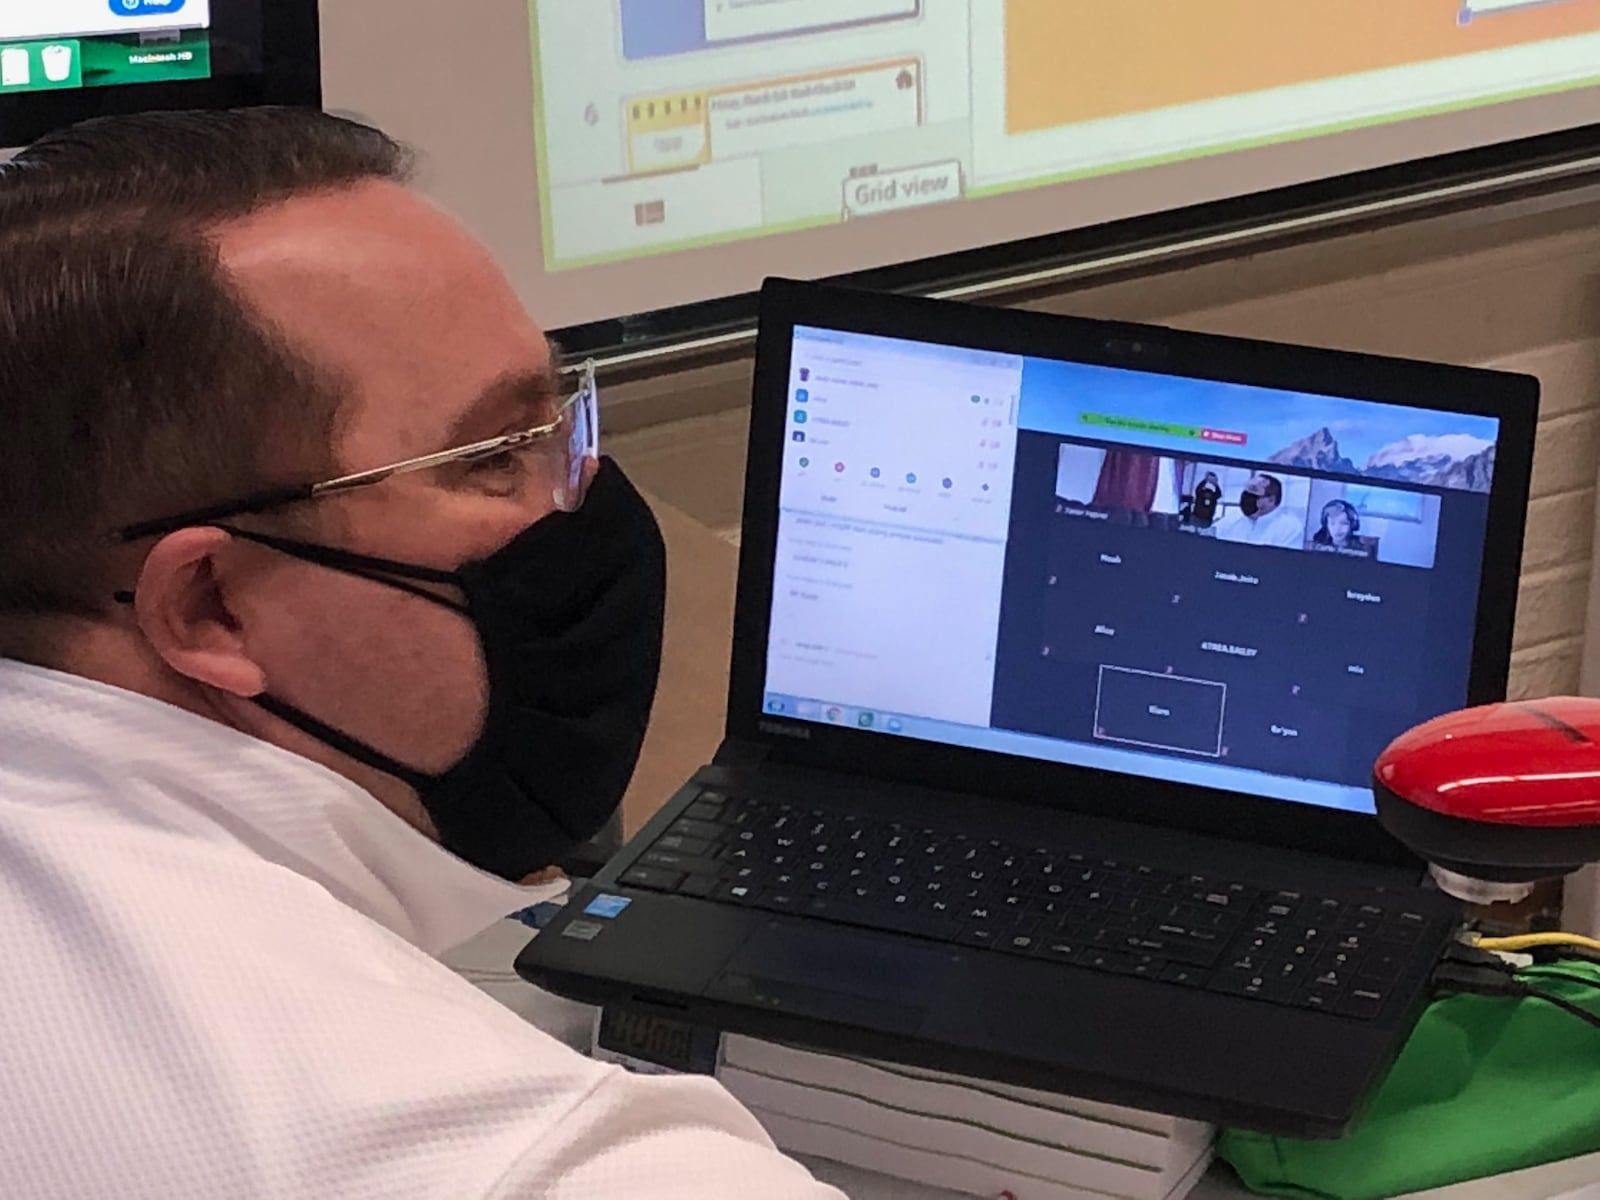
<point x="509" y="398"/>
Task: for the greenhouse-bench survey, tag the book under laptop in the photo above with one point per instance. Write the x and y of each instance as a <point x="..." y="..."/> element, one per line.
<point x="1062" y="654"/>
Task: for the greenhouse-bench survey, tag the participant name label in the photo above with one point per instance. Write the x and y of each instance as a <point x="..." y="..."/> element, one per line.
<point x="1230" y="648"/>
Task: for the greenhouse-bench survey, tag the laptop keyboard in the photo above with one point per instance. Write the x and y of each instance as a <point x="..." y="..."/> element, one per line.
<point x="1104" y="914"/>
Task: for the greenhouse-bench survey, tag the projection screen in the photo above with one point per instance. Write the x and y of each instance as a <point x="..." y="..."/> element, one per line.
<point x="622" y="156"/>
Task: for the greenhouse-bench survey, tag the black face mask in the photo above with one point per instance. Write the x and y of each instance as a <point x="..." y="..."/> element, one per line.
<point x="1249" y="503"/>
<point x="569" y="614"/>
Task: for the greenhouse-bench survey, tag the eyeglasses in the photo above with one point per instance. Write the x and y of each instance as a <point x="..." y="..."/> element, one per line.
<point x="561" y="446"/>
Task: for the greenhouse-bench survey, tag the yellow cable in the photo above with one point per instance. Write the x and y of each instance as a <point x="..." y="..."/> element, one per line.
<point x="1527" y="941"/>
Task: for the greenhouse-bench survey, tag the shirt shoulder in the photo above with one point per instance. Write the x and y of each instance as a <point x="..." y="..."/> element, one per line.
<point x="185" y="1021"/>
<point x="1235" y="527"/>
<point x="212" y="989"/>
<point x="1287" y="530"/>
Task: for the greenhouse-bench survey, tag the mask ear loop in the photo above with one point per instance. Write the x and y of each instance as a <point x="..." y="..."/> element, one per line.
<point x="393" y="574"/>
<point x="363" y="566"/>
<point x="344" y="743"/>
<point x="379" y="570"/>
<point x="386" y="571"/>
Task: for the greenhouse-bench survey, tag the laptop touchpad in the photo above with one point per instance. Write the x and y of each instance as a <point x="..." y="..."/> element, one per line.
<point x="828" y="973"/>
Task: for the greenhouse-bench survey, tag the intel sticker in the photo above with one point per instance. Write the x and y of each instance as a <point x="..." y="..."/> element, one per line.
<point x="607" y="906"/>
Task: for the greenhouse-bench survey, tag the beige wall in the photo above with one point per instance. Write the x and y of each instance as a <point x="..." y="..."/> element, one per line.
<point x="1518" y="289"/>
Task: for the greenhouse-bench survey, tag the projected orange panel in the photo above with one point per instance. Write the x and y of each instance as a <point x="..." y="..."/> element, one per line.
<point x="1083" y="59"/>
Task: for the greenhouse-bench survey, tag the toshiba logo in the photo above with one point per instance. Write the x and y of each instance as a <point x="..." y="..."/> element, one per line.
<point x="788" y="731"/>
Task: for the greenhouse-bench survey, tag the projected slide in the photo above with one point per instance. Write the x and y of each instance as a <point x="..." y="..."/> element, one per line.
<point x="666" y="124"/>
<point x="54" y="44"/>
<point x="1189" y="52"/>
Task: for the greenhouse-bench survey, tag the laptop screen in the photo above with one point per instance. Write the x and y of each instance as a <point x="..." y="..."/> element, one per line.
<point x="1181" y="579"/>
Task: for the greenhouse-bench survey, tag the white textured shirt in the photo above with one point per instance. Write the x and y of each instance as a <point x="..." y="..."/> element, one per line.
<point x="1276" y="528"/>
<point x="218" y="980"/>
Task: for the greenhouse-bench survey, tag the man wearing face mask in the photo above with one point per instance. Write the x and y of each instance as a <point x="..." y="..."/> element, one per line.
<point x="1259" y="520"/>
<point x="321" y="622"/>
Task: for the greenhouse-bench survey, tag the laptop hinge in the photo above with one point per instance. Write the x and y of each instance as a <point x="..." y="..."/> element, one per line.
<point x="741" y="753"/>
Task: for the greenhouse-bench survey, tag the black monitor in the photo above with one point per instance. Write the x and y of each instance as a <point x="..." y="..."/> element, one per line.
<point x="62" y="61"/>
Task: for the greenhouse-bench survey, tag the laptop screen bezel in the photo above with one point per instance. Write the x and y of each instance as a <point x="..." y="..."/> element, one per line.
<point x="1510" y="399"/>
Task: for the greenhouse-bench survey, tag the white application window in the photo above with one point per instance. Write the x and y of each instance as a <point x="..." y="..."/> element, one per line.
<point x="726" y="20"/>
<point x="663" y="123"/>
<point x="894" y="510"/>
<point x="880" y="430"/>
<point x="23" y="20"/>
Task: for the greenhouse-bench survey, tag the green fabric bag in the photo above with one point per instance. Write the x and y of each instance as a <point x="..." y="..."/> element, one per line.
<point x="1485" y="1084"/>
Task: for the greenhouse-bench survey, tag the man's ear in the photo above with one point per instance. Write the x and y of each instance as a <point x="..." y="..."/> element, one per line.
<point x="181" y="606"/>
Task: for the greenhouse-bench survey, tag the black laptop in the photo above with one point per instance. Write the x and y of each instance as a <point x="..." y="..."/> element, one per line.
<point x="1062" y="655"/>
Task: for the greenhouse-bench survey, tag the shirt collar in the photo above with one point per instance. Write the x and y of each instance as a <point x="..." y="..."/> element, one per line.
<point x="145" y="761"/>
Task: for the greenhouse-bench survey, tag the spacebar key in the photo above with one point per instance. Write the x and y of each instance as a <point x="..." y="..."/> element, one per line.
<point x="1177" y="945"/>
<point x="651" y="878"/>
<point x="917" y="923"/>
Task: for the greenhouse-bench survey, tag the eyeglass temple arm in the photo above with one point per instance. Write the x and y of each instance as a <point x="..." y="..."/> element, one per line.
<point x="295" y="493"/>
<point x="257" y="502"/>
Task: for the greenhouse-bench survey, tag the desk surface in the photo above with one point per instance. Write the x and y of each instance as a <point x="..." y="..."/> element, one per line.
<point x="486" y="961"/>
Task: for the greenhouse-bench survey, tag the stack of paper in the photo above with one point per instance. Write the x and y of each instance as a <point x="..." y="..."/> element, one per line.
<point x="965" y="1135"/>
<point x="962" y="1134"/>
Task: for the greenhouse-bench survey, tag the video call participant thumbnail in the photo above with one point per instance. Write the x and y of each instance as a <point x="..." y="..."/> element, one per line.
<point x="1261" y="518"/>
<point x="1134" y="486"/>
<point x="1207" y="496"/>
<point x="1339" y="530"/>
